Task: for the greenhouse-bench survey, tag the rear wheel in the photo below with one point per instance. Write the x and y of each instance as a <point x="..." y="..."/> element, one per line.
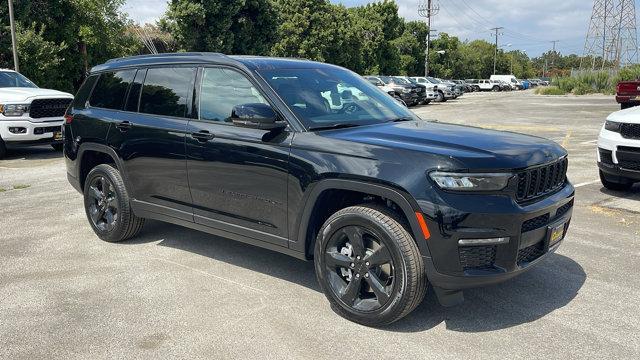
<point x="624" y="106"/>
<point x="615" y="183"/>
<point x="440" y="97"/>
<point x="369" y="266"/>
<point x="495" y="88"/>
<point x="108" y="206"/>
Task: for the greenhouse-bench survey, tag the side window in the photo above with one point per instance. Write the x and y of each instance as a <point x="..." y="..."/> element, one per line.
<point x="166" y="91"/>
<point x="111" y="89"/>
<point x="221" y="90"/>
<point x="134" y="92"/>
<point x="83" y="93"/>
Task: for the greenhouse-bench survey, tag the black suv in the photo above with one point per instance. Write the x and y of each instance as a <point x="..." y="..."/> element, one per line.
<point x="312" y="160"/>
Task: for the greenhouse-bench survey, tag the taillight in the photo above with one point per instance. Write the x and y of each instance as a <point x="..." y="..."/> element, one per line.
<point x="68" y="118"/>
<point x="618" y="87"/>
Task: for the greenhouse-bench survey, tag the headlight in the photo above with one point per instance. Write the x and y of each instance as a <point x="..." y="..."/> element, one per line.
<point x="14" y="109"/>
<point x="612" y="126"/>
<point x="471" y="182"/>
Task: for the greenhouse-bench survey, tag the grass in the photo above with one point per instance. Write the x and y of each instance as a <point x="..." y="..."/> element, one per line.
<point x="2" y="190"/>
<point x="20" y="186"/>
<point x="598" y="82"/>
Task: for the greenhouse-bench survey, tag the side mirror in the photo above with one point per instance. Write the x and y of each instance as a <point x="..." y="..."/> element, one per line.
<point x="256" y="116"/>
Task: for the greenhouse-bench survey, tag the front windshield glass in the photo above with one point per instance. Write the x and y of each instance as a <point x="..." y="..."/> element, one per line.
<point x="433" y="80"/>
<point x="402" y="81"/>
<point x="13" y="79"/>
<point x="333" y="97"/>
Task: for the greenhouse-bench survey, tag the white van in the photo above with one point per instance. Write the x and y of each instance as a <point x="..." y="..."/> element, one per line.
<point x="509" y="79"/>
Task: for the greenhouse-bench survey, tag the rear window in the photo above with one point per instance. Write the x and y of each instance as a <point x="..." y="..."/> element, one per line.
<point x="111" y="89"/>
<point x="84" y="91"/>
<point x="166" y="91"/>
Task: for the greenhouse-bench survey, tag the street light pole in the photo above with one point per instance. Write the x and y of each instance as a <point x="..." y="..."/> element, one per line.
<point x="495" y="55"/>
<point x="14" y="45"/>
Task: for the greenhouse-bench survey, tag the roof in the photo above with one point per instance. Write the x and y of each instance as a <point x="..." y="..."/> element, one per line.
<point x="10" y="70"/>
<point x="249" y="61"/>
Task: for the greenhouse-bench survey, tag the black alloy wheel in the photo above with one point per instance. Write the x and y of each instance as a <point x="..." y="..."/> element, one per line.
<point x="369" y="266"/>
<point x="103" y="208"/>
<point x="359" y="267"/>
<point x="107" y="205"/>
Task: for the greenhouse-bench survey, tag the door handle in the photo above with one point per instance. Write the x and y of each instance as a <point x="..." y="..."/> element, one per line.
<point x="124" y="126"/>
<point x="203" y="136"/>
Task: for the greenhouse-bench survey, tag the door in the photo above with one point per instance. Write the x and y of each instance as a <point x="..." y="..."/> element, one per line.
<point x="237" y="176"/>
<point x="150" y="138"/>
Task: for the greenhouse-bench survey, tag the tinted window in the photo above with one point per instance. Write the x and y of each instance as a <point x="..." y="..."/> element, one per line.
<point x="14" y="79"/>
<point x="221" y="90"/>
<point x="134" y="92"/>
<point x="84" y="91"/>
<point x="166" y="91"/>
<point x="111" y="89"/>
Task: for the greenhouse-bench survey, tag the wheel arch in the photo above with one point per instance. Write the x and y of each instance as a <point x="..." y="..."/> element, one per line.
<point x="85" y="164"/>
<point x="406" y="205"/>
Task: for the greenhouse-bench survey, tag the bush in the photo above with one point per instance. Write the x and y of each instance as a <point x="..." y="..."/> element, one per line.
<point x="582" y="89"/>
<point x="550" y="90"/>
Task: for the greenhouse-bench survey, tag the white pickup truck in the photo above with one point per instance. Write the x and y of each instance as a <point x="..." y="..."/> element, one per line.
<point x="29" y="115"/>
<point x="619" y="150"/>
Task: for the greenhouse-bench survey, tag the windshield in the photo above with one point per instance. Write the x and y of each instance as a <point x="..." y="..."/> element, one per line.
<point x="333" y="97"/>
<point x="433" y="80"/>
<point x="13" y="79"/>
<point x="402" y="81"/>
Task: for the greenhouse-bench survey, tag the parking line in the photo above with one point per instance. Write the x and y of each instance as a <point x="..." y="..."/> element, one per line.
<point x="586" y="183"/>
<point x="565" y="142"/>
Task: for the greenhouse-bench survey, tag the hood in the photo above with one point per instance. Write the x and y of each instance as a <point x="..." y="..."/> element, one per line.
<point x="630" y="115"/>
<point x="467" y="147"/>
<point x="23" y="94"/>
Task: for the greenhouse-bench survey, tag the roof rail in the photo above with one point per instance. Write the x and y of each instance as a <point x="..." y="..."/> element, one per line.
<point x="164" y="55"/>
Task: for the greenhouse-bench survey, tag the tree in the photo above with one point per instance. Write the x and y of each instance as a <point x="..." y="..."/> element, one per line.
<point x="40" y="58"/>
<point x="411" y="46"/>
<point x="227" y="26"/>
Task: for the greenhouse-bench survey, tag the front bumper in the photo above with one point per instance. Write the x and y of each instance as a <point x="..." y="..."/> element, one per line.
<point x="618" y="162"/>
<point x="455" y="267"/>
<point x="23" y="131"/>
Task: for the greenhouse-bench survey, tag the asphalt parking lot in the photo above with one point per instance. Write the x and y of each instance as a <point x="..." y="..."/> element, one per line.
<point x="174" y="292"/>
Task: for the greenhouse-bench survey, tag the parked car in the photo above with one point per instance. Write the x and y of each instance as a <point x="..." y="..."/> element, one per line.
<point x="619" y="150"/>
<point x="466" y="87"/>
<point x="525" y="84"/>
<point x="384" y="87"/>
<point x="429" y="93"/>
<point x="443" y="92"/>
<point x="488" y="85"/>
<point x="249" y="148"/>
<point x="474" y="83"/>
<point x="29" y="115"/>
<point x="533" y="83"/>
<point x="458" y="89"/>
<point x="508" y="79"/>
<point x="445" y="85"/>
<point x="504" y="86"/>
<point x="628" y="94"/>
<point x="408" y="94"/>
<point x="420" y="90"/>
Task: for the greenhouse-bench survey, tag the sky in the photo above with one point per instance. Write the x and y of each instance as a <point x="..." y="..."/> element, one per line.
<point x="529" y="25"/>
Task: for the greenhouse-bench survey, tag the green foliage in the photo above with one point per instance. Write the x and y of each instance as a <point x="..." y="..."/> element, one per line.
<point x="629" y="73"/>
<point x="39" y="58"/>
<point x="550" y="90"/>
<point x="228" y="26"/>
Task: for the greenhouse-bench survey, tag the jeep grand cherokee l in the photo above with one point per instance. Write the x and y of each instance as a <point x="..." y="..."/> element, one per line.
<point x="29" y="115"/>
<point x="268" y="152"/>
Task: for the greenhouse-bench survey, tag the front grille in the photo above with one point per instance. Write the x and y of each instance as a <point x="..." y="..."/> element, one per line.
<point x="630" y="131"/>
<point x="629" y="165"/>
<point x="535" y="223"/>
<point x="540" y="181"/>
<point x="530" y="253"/>
<point x="628" y="157"/>
<point x="477" y="257"/>
<point x="43" y="108"/>
<point x="606" y="156"/>
<point x="48" y="129"/>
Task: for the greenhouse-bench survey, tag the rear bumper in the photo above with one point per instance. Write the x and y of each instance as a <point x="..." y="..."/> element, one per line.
<point x="624" y="99"/>
<point x="451" y="266"/>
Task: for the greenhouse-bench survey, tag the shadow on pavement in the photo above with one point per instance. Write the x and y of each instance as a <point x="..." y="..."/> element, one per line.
<point x="43" y="152"/>
<point x="549" y="286"/>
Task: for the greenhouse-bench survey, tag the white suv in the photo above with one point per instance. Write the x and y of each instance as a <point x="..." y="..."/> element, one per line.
<point x="619" y="150"/>
<point x="29" y="115"/>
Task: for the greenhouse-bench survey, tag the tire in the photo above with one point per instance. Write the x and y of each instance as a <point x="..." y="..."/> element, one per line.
<point x="620" y="184"/>
<point x="3" y="149"/>
<point x="57" y="147"/>
<point x="495" y="88"/>
<point x="399" y="272"/>
<point x="440" y="97"/>
<point x="624" y="106"/>
<point x="104" y="194"/>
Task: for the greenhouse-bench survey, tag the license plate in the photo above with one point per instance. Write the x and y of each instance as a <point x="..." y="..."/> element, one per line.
<point x="634" y="98"/>
<point x="57" y="135"/>
<point x="556" y="234"/>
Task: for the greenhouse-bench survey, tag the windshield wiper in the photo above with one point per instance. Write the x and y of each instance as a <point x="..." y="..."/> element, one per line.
<point x="334" y="126"/>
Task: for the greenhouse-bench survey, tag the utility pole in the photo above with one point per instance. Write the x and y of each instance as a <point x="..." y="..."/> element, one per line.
<point x="495" y="55"/>
<point x="427" y="10"/>
<point x="14" y="45"/>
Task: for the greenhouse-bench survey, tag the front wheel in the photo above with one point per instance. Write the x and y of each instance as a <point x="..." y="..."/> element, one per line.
<point x="495" y="89"/>
<point x="107" y="205"/>
<point x="440" y="97"/>
<point x="619" y="184"/>
<point x="369" y="266"/>
<point x="3" y="149"/>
